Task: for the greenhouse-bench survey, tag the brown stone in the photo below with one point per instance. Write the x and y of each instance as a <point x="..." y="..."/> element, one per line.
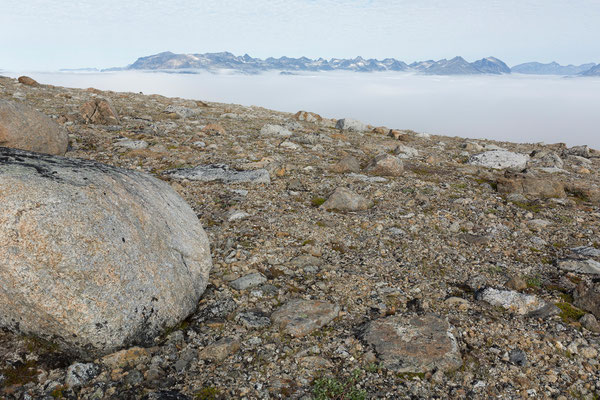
<point x="381" y="130"/>
<point x="126" y="358"/>
<point x="343" y="199"/>
<point x="219" y="350"/>
<point x="25" y="80"/>
<point x="516" y="283"/>
<point x="214" y="129"/>
<point x="543" y="188"/>
<point x="385" y="165"/>
<point x="345" y="165"/>
<point x="415" y="344"/>
<point x="587" y="297"/>
<point x="99" y="112"/>
<point x="300" y="317"/>
<point x="22" y="127"/>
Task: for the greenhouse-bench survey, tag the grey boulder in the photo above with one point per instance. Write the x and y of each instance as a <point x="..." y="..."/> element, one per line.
<point x="500" y="159"/>
<point x="94" y="257"/>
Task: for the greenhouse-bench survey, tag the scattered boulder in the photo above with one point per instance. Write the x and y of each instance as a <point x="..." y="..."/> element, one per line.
<point x="95" y="257"/>
<point x="99" y="112"/>
<point x="25" y="80"/>
<point x="307" y="116"/>
<point x="518" y="303"/>
<point x="516" y="283"/>
<point x="300" y="317"/>
<point x="500" y="159"/>
<point x="221" y="173"/>
<point x="586" y="251"/>
<point x="275" y="130"/>
<point x="343" y="199"/>
<point x="132" y="144"/>
<point x="535" y="187"/>
<point x="181" y="111"/>
<point x="417" y="344"/>
<point x="345" y="165"/>
<point x="353" y="125"/>
<point x="579" y="151"/>
<point x="22" y="127"/>
<point x="385" y="165"/>
<point x="253" y="319"/>
<point x="579" y="266"/>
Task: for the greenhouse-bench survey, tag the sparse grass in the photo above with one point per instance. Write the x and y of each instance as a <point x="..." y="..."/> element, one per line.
<point x="20" y="374"/>
<point x="533" y="281"/>
<point x="569" y="313"/>
<point x="317" y="201"/>
<point x="208" y="393"/>
<point x="534" y="208"/>
<point x="338" y="389"/>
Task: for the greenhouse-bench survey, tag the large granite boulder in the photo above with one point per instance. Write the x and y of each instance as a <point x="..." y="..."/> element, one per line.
<point x="94" y="257"/>
<point x="22" y="127"/>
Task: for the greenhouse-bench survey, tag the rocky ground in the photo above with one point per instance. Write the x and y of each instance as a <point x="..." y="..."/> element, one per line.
<point x="350" y="262"/>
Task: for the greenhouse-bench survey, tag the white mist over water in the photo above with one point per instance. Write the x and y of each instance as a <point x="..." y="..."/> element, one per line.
<point x="516" y="108"/>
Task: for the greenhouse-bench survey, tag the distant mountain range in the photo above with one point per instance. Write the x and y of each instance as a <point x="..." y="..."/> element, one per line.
<point x="455" y="66"/>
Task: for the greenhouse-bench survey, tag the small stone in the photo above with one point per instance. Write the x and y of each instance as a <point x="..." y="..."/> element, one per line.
<point x="588" y="352"/>
<point x="248" y="281"/>
<point x="385" y="165"/>
<point x="237" y="215"/>
<point x="343" y="199"/>
<point x="300" y="317"/>
<point x="219" y="350"/>
<point x="516" y="283"/>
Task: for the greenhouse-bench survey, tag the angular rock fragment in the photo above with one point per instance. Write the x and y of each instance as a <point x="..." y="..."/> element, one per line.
<point x="181" y="111"/>
<point x="248" y="281"/>
<point x="95" y="257"/>
<point x="221" y="173"/>
<point x="343" y="199"/>
<point x="516" y="302"/>
<point x="300" y="317"/>
<point x="500" y="159"/>
<point x="99" y="112"/>
<point x="579" y="266"/>
<point x="219" y="350"/>
<point x="345" y="165"/>
<point x="543" y="188"/>
<point x="275" y="130"/>
<point x="22" y="127"/>
<point x="415" y="344"/>
<point x="587" y="297"/>
<point x="348" y="124"/>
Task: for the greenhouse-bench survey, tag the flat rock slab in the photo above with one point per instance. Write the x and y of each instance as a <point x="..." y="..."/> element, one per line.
<point x="415" y="344"/>
<point x="343" y="199"/>
<point x="500" y="159"/>
<point x="300" y="317"/>
<point x="516" y="302"/>
<point x="95" y="257"/>
<point x="586" y="251"/>
<point x="220" y="173"/>
<point x="590" y="267"/>
<point x="248" y="281"/>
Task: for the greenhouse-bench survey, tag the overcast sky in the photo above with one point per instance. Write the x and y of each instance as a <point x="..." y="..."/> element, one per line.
<point x="51" y="34"/>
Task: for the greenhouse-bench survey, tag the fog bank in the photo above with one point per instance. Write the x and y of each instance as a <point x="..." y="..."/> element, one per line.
<point x="515" y="108"/>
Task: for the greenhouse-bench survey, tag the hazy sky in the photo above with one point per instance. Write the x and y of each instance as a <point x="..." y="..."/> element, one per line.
<point x="52" y="34"/>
